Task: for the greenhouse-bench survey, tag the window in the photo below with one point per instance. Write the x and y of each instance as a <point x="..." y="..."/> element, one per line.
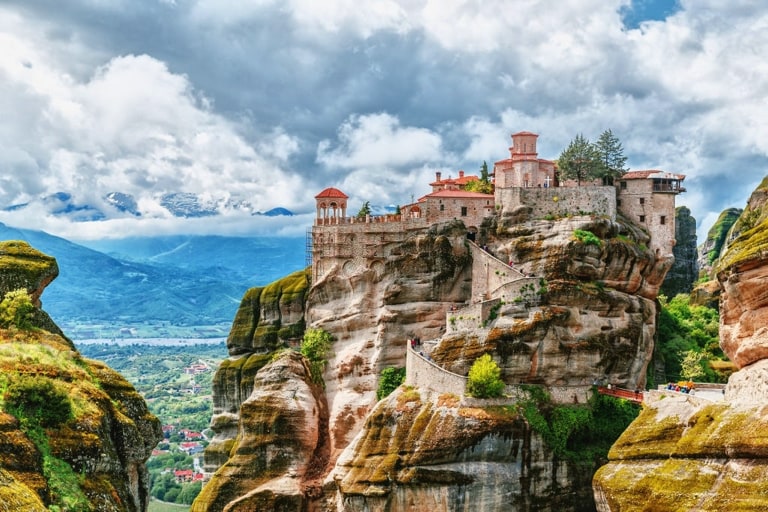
<point x="642" y="218"/>
<point x="623" y="185"/>
<point x="618" y="202"/>
<point x="642" y="200"/>
<point x="663" y="220"/>
<point x="463" y="211"/>
<point x="442" y="207"/>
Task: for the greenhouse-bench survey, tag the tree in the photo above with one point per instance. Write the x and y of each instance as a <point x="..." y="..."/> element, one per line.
<point x="612" y="157"/>
<point x="315" y="347"/>
<point x="483" y="185"/>
<point x="485" y="378"/>
<point x="16" y="309"/>
<point x="365" y="210"/>
<point x="690" y="366"/>
<point x="389" y="381"/>
<point x="579" y="161"/>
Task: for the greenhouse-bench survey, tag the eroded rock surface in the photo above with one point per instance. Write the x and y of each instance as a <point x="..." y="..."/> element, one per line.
<point x="281" y="450"/>
<point x="426" y="451"/>
<point x="101" y="450"/>
<point x="688" y="454"/>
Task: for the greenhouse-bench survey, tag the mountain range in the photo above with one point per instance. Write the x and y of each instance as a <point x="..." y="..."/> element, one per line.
<point x="178" y="204"/>
<point x="178" y="280"/>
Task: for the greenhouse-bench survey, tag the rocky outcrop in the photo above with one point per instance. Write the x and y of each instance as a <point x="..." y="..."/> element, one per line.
<point x="431" y="451"/>
<point x="370" y="312"/>
<point x="280" y="451"/>
<point x="596" y="320"/>
<point x="691" y="454"/>
<point x="589" y="318"/>
<point x="742" y="271"/>
<point x="685" y="270"/>
<point x="92" y="458"/>
<point x="717" y="236"/>
<point x="269" y="317"/>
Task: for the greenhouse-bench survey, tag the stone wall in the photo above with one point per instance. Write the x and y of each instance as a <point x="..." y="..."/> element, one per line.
<point x="559" y="201"/>
<point x="356" y="244"/>
<point x="469" y="317"/>
<point x="421" y="373"/>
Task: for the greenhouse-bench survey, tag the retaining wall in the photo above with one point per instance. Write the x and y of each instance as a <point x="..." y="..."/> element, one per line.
<point x="421" y="373"/>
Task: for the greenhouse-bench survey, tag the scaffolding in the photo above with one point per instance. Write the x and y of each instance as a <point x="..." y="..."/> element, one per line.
<point x="308" y="247"/>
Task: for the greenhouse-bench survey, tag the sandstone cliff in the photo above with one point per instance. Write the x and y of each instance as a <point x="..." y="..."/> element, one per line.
<point x="717" y="236"/>
<point x="590" y="318"/>
<point x="685" y="270"/>
<point x="686" y="453"/>
<point x="370" y="313"/>
<point x="91" y="458"/>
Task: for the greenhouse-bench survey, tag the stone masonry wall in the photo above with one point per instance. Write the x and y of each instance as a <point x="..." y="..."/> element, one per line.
<point x="469" y="317"/>
<point x="559" y="201"/>
<point x="421" y="373"/>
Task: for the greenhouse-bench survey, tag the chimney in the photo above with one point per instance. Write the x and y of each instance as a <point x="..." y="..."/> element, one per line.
<point x="437" y="176"/>
<point x="461" y="174"/>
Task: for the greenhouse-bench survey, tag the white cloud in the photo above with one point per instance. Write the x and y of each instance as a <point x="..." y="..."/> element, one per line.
<point x="272" y="101"/>
<point x="376" y="141"/>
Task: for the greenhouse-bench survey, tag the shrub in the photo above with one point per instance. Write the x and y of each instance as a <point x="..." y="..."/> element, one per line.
<point x="16" y="309"/>
<point x="485" y="378"/>
<point x="587" y="237"/>
<point x="389" y="381"/>
<point x="38" y="400"/>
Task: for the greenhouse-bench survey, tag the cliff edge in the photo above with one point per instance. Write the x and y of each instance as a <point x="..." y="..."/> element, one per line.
<point x="74" y="434"/>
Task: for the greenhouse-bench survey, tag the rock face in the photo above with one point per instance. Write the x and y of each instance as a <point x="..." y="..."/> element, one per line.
<point x="742" y="271"/>
<point x="691" y="454"/>
<point x="94" y="460"/>
<point x="597" y="317"/>
<point x="426" y="451"/>
<point x="685" y="270"/>
<point x="717" y="236"/>
<point x="281" y="448"/>
<point x="592" y="319"/>
<point x="370" y="313"/>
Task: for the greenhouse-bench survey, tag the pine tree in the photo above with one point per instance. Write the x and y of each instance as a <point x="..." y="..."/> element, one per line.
<point x="579" y="161"/>
<point x="611" y="157"/>
<point x="364" y="210"/>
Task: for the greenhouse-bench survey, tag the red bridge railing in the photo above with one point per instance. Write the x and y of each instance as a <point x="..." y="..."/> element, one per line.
<point x="627" y="394"/>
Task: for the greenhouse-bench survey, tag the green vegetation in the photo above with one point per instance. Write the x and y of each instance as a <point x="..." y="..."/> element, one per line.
<point x="17" y="309"/>
<point x="483" y="185"/>
<point x="315" y="347"/>
<point x="365" y="210"/>
<point x="688" y="337"/>
<point x="612" y="157"/>
<point x="176" y="397"/>
<point x="587" y="237"/>
<point x="389" y="381"/>
<point x="580" y="161"/>
<point x="581" y="434"/>
<point x="583" y="160"/>
<point x="38" y="399"/>
<point x="719" y="231"/>
<point x="38" y="403"/>
<point x="485" y="378"/>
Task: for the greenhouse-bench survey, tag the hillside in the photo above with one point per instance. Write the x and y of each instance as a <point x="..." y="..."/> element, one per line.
<point x="169" y="281"/>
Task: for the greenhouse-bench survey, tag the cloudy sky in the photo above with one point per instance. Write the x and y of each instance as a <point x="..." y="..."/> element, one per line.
<point x="267" y="102"/>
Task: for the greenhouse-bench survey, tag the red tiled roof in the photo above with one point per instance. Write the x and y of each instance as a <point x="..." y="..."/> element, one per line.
<point x="459" y="193"/>
<point x="655" y="173"/>
<point x="525" y="133"/>
<point x="331" y="192"/>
